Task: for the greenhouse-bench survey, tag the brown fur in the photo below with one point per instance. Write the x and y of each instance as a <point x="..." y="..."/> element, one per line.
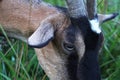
<point x="18" y="17"/>
<point x="20" y="20"/>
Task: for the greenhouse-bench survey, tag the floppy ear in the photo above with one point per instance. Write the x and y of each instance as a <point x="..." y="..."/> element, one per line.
<point x="106" y="17"/>
<point x="42" y="36"/>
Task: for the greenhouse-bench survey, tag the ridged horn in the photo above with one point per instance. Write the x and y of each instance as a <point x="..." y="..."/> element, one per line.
<point x="92" y="8"/>
<point x="76" y="8"/>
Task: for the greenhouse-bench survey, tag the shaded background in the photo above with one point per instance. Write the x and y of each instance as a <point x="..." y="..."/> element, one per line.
<point x="19" y="62"/>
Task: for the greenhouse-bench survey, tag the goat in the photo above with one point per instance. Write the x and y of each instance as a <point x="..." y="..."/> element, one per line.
<point x="66" y="43"/>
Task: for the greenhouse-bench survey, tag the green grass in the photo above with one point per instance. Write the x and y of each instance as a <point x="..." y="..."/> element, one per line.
<point x="19" y="62"/>
<point x="110" y="54"/>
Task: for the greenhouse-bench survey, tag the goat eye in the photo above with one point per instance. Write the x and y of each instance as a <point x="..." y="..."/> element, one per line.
<point x="69" y="47"/>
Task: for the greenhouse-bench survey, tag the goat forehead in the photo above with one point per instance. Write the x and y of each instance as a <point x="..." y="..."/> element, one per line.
<point x="70" y="34"/>
<point x="74" y="35"/>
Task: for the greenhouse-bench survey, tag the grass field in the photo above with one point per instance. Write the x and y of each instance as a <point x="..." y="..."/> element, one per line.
<point x="19" y="62"/>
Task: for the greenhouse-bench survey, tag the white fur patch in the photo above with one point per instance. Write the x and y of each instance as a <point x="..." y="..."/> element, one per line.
<point x="95" y="26"/>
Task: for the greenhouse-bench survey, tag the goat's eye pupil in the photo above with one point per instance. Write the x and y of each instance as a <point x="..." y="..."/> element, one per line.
<point x="69" y="47"/>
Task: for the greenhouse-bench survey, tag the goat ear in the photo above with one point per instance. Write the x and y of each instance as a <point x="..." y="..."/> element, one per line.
<point x="42" y="36"/>
<point x="106" y="17"/>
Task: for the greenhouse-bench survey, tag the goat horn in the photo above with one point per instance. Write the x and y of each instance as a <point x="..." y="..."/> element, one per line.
<point x="92" y="8"/>
<point x="76" y="8"/>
